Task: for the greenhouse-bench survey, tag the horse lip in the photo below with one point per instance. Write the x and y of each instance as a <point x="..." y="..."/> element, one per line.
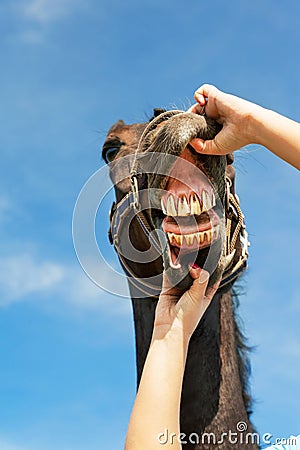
<point x="191" y="224"/>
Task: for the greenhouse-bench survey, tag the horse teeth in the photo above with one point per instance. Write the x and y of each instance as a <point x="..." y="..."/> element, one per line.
<point x="187" y="207"/>
<point x="189" y="239"/>
<point x="163" y="207"/>
<point x="192" y="236"/>
<point x="183" y="207"/>
<point x="203" y="198"/>
<point x="195" y="205"/>
<point x="172" y="238"/>
<point x="206" y="202"/>
<point x="178" y="238"/>
<point x="213" y="200"/>
<point x="209" y="235"/>
<point x="171" y="209"/>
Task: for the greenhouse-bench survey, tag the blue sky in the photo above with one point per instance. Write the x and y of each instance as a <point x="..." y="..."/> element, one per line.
<point x="69" y="69"/>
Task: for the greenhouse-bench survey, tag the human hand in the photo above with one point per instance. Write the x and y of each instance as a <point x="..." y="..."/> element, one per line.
<point x="235" y="114"/>
<point x="178" y="311"/>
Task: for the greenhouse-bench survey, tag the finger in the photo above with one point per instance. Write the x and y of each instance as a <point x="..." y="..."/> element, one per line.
<point x="205" y="91"/>
<point x="196" y="109"/>
<point x="212" y="148"/>
<point x="195" y="271"/>
<point x="208" y="147"/>
<point x="203" y="278"/>
<point x="200" y="98"/>
<point x="198" y="288"/>
<point x="197" y="144"/>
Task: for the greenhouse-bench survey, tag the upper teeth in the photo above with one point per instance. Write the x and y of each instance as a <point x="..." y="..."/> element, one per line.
<point x="171" y="209"/>
<point x="184" y="206"/>
<point x="195" y="205"/>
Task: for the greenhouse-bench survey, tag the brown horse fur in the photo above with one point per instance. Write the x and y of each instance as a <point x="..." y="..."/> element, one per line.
<point x="215" y="388"/>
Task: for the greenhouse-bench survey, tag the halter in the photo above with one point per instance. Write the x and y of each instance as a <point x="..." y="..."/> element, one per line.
<point x="135" y="201"/>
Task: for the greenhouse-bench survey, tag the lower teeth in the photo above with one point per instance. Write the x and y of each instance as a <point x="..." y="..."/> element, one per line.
<point x="189" y="239"/>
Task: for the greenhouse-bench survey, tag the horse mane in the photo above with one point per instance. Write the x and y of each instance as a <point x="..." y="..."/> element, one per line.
<point x="242" y="346"/>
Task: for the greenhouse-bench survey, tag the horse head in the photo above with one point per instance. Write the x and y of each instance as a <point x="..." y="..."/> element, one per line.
<point x="183" y="206"/>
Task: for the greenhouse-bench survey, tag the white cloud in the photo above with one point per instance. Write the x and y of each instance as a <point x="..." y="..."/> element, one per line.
<point x="79" y="291"/>
<point x="22" y="275"/>
<point x="5" y="445"/>
<point x="44" y="11"/>
<point x="37" y="15"/>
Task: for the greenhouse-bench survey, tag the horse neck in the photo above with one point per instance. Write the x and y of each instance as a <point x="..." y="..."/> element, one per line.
<point x="143" y="314"/>
<point x="213" y="394"/>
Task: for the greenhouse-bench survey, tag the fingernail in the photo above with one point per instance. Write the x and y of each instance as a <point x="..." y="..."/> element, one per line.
<point x="194" y="266"/>
<point x="200" y="99"/>
<point x="204" y="276"/>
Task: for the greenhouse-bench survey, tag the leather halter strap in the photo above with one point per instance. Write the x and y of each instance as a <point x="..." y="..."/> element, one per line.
<point x="127" y="208"/>
<point x="118" y="214"/>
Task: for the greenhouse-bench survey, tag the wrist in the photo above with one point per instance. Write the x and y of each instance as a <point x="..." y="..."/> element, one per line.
<point x="255" y="123"/>
<point x="171" y="334"/>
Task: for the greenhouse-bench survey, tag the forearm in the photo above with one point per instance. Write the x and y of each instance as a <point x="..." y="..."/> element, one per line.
<point x="277" y="133"/>
<point x="157" y="403"/>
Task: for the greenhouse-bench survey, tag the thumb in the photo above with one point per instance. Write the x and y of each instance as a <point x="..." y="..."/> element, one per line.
<point x="211" y="148"/>
<point x="206" y="147"/>
<point x="198" y="288"/>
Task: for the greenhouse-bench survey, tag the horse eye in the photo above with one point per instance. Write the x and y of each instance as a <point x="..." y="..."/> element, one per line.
<point x="110" y="154"/>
